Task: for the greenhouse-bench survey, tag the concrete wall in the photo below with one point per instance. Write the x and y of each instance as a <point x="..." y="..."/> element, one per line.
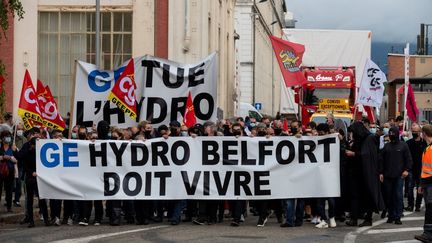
<point x="26" y="32"/>
<point x="198" y="28"/>
<point x="260" y="76"/>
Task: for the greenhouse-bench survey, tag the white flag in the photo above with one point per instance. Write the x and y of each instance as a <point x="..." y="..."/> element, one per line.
<point x="372" y="86"/>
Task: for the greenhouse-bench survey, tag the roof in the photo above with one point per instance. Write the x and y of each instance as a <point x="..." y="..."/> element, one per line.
<point x="413" y="80"/>
<point x="402" y="55"/>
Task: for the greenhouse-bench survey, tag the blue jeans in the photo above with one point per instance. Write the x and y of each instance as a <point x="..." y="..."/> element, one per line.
<point x="179" y="205"/>
<point x="393" y="194"/>
<point x="294" y="212"/>
<point x="331" y="207"/>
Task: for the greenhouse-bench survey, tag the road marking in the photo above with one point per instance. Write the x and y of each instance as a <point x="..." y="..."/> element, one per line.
<point x="397" y="230"/>
<point x="96" y="237"/>
<point x="351" y="236"/>
<point x="403" y="241"/>
<point x="412" y="218"/>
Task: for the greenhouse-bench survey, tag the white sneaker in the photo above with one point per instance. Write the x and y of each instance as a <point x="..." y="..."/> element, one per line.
<point x="332" y="222"/>
<point x="70" y="221"/>
<point x="57" y="221"/>
<point x="314" y="220"/>
<point x="322" y="225"/>
<point x="242" y="218"/>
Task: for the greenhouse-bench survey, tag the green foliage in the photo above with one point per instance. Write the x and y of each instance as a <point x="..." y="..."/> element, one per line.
<point x="7" y="7"/>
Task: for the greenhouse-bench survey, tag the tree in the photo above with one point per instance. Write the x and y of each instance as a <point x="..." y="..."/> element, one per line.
<point x="7" y="8"/>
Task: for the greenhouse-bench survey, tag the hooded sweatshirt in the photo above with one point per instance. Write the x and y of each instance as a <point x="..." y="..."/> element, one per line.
<point x="395" y="157"/>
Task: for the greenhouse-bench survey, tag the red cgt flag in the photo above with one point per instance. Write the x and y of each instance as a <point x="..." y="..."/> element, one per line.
<point x="411" y="104"/>
<point x="289" y="56"/>
<point x="123" y="92"/>
<point x="28" y="107"/>
<point x="189" y="118"/>
<point x="48" y="107"/>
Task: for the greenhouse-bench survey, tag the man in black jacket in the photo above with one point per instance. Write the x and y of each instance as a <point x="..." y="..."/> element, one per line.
<point x="394" y="166"/>
<point x="28" y="155"/>
<point x="416" y="146"/>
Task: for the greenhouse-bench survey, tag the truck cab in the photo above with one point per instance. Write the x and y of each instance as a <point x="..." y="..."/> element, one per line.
<point x="327" y="89"/>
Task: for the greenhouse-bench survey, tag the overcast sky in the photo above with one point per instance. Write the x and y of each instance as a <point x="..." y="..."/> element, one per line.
<point x="395" y="21"/>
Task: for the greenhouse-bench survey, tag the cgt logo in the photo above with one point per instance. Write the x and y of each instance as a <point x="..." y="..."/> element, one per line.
<point x="126" y="85"/>
<point x="100" y="81"/>
<point x="289" y="60"/>
<point x="30" y="97"/>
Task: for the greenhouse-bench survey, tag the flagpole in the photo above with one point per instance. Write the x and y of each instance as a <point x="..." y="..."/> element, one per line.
<point x="72" y="109"/>
<point x="407" y="57"/>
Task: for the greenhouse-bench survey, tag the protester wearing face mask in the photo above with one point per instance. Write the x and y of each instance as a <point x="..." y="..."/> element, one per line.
<point x="372" y="128"/>
<point x="416" y="146"/>
<point x="28" y="155"/>
<point x="74" y="134"/>
<point x="384" y="138"/>
<point x="395" y="163"/>
<point x="426" y="185"/>
<point x="238" y="207"/>
<point x="20" y="140"/>
<point x="8" y="154"/>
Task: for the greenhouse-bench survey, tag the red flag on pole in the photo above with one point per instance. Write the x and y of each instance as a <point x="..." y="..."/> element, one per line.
<point x="370" y="113"/>
<point x="189" y="118"/>
<point x="411" y="104"/>
<point x="123" y="92"/>
<point x="28" y="107"/>
<point x="48" y="107"/>
<point x="285" y="125"/>
<point x="289" y="56"/>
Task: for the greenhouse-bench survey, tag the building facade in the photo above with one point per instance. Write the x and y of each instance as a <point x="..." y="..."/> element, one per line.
<point x="420" y="73"/>
<point x="55" y="33"/>
<point x="259" y="76"/>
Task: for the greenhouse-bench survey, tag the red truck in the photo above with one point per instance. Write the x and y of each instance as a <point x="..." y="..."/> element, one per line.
<point x="327" y="89"/>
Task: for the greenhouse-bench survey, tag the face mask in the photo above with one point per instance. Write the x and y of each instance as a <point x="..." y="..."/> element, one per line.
<point x="277" y="131"/>
<point x="184" y="134"/>
<point x="109" y="134"/>
<point x="372" y="130"/>
<point x="82" y="136"/>
<point x="386" y="130"/>
<point x="174" y="132"/>
<point x="415" y="135"/>
<point x="236" y="133"/>
<point x="74" y="135"/>
<point x="294" y="130"/>
<point x="20" y="133"/>
<point x="7" y="140"/>
<point x="147" y="133"/>
<point x="262" y="133"/>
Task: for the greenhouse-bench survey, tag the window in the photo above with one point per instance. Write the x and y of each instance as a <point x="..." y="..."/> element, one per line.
<point x="68" y="36"/>
<point x="312" y="96"/>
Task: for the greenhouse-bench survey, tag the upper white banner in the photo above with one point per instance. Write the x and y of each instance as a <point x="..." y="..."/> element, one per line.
<point x="189" y="168"/>
<point x="162" y="90"/>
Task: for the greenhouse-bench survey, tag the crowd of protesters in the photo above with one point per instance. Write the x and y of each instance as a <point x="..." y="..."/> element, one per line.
<point x="377" y="163"/>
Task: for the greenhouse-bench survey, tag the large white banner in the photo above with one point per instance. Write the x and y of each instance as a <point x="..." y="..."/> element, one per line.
<point x="189" y="168"/>
<point x="162" y="90"/>
<point x="371" y="90"/>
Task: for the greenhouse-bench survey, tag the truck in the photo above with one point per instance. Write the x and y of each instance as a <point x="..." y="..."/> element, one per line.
<point x="333" y="63"/>
<point x="326" y="90"/>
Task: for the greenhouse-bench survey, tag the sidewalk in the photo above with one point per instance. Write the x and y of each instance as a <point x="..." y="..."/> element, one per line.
<point x="18" y="213"/>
